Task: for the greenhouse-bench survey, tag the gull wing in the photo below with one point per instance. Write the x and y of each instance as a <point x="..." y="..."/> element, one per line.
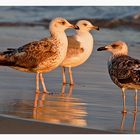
<point x="31" y="54"/>
<point x="74" y="47"/>
<point x="125" y="69"/>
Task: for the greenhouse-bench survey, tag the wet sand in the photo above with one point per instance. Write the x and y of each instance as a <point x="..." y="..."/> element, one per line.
<point x="94" y="104"/>
<point x="26" y="126"/>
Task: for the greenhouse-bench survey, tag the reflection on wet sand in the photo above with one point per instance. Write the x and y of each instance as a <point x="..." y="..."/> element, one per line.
<point x="124" y="115"/>
<point x="60" y="108"/>
<point x="133" y="127"/>
<point x="53" y="108"/>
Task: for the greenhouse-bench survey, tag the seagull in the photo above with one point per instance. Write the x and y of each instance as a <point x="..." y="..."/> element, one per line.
<point x="40" y="56"/>
<point x="123" y="69"/>
<point x="80" y="47"/>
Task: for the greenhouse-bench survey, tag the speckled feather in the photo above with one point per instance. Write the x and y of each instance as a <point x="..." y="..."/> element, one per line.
<point x="125" y="70"/>
<point x="32" y="54"/>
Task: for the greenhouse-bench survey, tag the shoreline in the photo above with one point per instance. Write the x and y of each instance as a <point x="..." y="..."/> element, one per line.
<point x="111" y="23"/>
<point x="30" y="126"/>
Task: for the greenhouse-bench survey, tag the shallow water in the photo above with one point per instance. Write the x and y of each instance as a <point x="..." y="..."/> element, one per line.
<point x="94" y="102"/>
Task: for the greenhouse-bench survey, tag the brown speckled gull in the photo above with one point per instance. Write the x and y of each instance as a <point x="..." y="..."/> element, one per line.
<point x="40" y="56"/>
<point x="123" y="69"/>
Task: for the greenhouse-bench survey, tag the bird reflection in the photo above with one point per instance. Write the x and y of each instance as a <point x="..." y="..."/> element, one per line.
<point x="124" y="114"/>
<point x="133" y="127"/>
<point x="123" y="121"/>
<point x="70" y="90"/>
<point x="60" y="108"/>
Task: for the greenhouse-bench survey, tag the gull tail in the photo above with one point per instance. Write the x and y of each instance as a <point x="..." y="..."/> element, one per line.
<point x="5" y="60"/>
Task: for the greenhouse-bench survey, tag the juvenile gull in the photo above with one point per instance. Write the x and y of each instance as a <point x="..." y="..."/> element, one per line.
<point x="80" y="47"/>
<point x="40" y="56"/>
<point x="123" y="69"/>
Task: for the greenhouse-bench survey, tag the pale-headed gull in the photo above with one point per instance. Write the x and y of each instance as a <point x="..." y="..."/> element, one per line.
<point x="80" y="47"/>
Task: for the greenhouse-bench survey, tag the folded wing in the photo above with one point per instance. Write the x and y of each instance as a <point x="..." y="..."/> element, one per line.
<point x="31" y="54"/>
<point x="125" y="69"/>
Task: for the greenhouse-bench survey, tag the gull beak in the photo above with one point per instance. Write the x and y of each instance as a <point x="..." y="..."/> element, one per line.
<point x="95" y="28"/>
<point x="74" y="26"/>
<point x="102" y="48"/>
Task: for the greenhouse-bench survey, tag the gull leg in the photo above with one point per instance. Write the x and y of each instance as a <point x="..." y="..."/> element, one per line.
<point x="64" y="75"/>
<point x="43" y="84"/>
<point x="71" y="77"/>
<point x="136" y="101"/>
<point x="124" y="101"/>
<point x="37" y="82"/>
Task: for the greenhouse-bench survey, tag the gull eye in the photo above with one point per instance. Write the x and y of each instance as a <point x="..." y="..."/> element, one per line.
<point x="63" y="22"/>
<point x="85" y="24"/>
<point x="114" y="46"/>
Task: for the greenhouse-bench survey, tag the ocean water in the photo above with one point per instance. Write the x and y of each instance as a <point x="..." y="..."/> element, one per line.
<point x="37" y="13"/>
<point x="94" y="102"/>
<point x="118" y="15"/>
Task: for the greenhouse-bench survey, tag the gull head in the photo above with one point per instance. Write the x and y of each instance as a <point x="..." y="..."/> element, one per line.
<point x="116" y="48"/>
<point x="85" y="25"/>
<point x="61" y="24"/>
